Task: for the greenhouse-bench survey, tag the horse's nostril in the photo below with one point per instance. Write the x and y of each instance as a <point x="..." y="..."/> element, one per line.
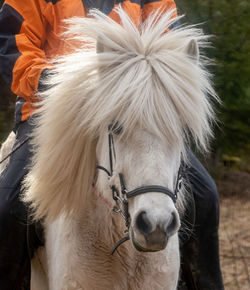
<point x="143" y="224"/>
<point x="173" y="224"/>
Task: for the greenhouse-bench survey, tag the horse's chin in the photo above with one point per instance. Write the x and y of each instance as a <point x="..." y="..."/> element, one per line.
<point x="148" y="248"/>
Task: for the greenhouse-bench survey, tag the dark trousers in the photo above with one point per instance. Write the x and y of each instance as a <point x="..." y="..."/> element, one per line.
<point x="199" y="253"/>
<point x="14" y="257"/>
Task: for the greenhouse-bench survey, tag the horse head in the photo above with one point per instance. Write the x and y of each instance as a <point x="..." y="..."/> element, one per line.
<point x="139" y="175"/>
<point x="143" y="165"/>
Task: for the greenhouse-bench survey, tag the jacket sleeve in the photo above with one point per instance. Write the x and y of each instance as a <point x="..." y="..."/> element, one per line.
<point x="140" y="10"/>
<point x="22" y="35"/>
<point x="152" y="6"/>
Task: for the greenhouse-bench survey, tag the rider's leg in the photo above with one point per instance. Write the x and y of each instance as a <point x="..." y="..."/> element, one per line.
<point x="202" y="250"/>
<point x="13" y="250"/>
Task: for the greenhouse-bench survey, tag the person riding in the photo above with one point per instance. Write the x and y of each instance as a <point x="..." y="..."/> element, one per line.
<point x="30" y="36"/>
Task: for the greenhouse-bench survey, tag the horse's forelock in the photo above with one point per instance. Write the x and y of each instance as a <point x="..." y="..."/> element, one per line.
<point x="146" y="77"/>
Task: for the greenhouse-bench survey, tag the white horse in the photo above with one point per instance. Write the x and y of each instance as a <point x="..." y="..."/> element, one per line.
<point x="130" y="109"/>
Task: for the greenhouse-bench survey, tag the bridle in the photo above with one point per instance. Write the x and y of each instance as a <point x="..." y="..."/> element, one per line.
<point x="121" y="196"/>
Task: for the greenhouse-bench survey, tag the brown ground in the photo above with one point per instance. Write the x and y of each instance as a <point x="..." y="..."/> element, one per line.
<point x="235" y="243"/>
<point x="235" y="230"/>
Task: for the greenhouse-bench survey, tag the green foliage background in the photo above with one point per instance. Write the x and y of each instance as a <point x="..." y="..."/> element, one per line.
<point x="228" y="22"/>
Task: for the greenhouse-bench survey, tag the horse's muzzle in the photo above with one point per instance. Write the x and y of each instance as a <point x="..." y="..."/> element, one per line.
<point x="148" y="236"/>
<point x="150" y="247"/>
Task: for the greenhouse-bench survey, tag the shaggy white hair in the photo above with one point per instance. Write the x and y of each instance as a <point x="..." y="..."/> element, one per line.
<point x="146" y="76"/>
<point x="5" y="150"/>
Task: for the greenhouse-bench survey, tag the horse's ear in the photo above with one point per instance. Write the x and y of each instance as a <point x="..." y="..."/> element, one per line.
<point x="192" y="49"/>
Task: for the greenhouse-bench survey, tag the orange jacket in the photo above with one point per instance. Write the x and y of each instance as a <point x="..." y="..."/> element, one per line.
<point x="30" y="35"/>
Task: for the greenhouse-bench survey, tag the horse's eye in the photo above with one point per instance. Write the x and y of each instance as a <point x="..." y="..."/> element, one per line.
<point x="179" y="185"/>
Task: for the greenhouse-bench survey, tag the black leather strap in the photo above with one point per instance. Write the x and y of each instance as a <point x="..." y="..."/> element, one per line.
<point x="151" y="188"/>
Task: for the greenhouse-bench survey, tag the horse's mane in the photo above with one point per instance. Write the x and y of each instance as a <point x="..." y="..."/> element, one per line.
<point x="144" y="77"/>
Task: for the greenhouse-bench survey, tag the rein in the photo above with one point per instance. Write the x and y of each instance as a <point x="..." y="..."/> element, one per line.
<point x="121" y="197"/>
<point x="19" y="145"/>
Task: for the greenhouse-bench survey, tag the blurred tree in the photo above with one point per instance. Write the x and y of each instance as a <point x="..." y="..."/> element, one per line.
<point x="228" y="22"/>
<point x="7" y="105"/>
<point x="7" y="100"/>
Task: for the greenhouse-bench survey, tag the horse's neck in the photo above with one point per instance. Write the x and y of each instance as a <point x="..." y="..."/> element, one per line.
<point x="108" y="225"/>
<point x="107" y="229"/>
